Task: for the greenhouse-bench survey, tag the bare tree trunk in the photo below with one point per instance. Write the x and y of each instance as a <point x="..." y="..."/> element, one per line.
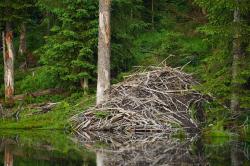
<point x="103" y="82"/>
<point x="22" y="45"/>
<point x="153" y="14"/>
<point x="235" y="104"/>
<point x="47" y="14"/>
<point x="3" y="46"/>
<point x="8" y="157"/>
<point x="85" y="85"/>
<point x="9" y="66"/>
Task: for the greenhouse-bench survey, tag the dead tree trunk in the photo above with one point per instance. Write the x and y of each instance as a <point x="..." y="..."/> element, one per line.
<point x="235" y="104"/>
<point x="22" y="45"/>
<point x="85" y="85"/>
<point x="153" y="14"/>
<point x="48" y="15"/>
<point x="103" y="82"/>
<point x="9" y="65"/>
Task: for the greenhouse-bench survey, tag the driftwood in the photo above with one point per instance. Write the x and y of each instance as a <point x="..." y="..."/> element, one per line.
<point x="38" y="93"/>
<point x="159" y="99"/>
<point x="44" y="108"/>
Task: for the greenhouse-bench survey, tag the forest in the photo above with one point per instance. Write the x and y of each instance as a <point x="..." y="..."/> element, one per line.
<point x="62" y="57"/>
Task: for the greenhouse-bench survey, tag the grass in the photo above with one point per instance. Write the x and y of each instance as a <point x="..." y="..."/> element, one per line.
<point x="58" y="118"/>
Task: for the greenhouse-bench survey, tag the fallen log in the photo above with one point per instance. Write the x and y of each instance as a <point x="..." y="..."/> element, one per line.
<point x="44" y="108"/>
<point x="39" y="93"/>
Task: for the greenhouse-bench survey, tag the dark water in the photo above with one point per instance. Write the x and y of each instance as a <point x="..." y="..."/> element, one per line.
<point x="53" y="148"/>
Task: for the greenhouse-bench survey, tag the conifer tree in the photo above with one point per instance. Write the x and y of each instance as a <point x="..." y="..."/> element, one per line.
<point x="71" y="45"/>
<point x="227" y="31"/>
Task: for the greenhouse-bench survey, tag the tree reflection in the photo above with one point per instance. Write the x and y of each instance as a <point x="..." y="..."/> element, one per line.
<point x="99" y="158"/>
<point x="8" y="157"/>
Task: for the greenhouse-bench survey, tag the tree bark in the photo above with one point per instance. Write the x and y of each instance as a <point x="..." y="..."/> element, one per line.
<point x="9" y="65"/>
<point x="103" y="82"/>
<point x="22" y="45"/>
<point x="235" y="104"/>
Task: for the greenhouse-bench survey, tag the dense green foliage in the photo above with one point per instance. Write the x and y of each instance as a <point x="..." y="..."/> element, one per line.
<point x="62" y="37"/>
<point x="69" y="50"/>
<point x="221" y="32"/>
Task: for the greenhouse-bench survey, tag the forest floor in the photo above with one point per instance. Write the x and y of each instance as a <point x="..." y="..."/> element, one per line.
<point x="56" y="118"/>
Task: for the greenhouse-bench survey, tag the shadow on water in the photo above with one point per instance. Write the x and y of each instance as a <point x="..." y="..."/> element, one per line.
<point x="54" y="148"/>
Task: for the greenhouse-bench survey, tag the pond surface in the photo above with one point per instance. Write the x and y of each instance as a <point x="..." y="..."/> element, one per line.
<point x="55" y="148"/>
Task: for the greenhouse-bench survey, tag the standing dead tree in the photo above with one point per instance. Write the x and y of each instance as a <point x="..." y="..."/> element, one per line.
<point x="8" y="56"/>
<point x="103" y="82"/>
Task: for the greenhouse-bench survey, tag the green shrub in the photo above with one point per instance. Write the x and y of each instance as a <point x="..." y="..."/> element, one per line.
<point x="42" y="78"/>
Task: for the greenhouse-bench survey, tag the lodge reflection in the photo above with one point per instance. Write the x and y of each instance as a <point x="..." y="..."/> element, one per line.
<point x="149" y="151"/>
<point x="156" y="150"/>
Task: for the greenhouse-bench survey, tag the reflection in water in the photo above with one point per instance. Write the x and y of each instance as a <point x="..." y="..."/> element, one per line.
<point x="153" y="149"/>
<point x="105" y="149"/>
<point x="160" y="149"/>
<point x="8" y="157"/>
<point x="99" y="158"/>
<point x="36" y="149"/>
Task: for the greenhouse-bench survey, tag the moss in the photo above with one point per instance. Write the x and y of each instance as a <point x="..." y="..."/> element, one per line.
<point x="101" y="114"/>
<point x="180" y="134"/>
<point x="55" y="119"/>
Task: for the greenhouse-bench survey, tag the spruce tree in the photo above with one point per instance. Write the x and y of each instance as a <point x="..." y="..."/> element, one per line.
<point x="227" y="31"/>
<point x="70" y="47"/>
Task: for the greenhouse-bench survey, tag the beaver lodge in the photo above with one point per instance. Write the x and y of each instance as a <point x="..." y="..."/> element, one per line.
<point x="158" y="99"/>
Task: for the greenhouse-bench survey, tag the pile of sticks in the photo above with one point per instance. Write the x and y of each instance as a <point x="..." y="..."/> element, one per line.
<point x="158" y="99"/>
